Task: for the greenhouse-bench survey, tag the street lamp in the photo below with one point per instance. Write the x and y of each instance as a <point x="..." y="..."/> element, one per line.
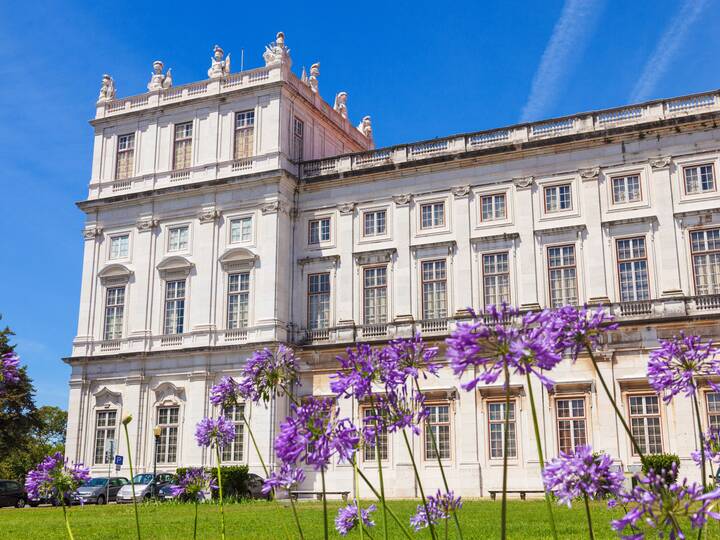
<point x="156" y="431"/>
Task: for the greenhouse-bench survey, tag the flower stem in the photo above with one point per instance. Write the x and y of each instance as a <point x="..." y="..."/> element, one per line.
<point x="589" y="519"/>
<point x="380" y="471"/>
<point x="613" y="403"/>
<point x="356" y="494"/>
<point x="220" y="493"/>
<point x="440" y="464"/>
<point x="195" y="522"/>
<point x="503" y="508"/>
<point x="254" y="442"/>
<point x="132" y="481"/>
<point x="324" y="497"/>
<point x="67" y="520"/>
<point x="295" y="515"/>
<point x="419" y="482"/>
<point x="390" y="511"/>
<point x="702" y="441"/>
<point x="536" y="425"/>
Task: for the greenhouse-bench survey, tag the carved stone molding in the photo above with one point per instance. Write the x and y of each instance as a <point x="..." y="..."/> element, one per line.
<point x="209" y="215"/>
<point x="272" y="208"/>
<point x="523" y="182"/>
<point x="346" y="208"/>
<point x="402" y="200"/>
<point x="660" y="162"/>
<point x="590" y="174"/>
<point x="146" y="224"/>
<point x="90" y="233"/>
<point x="460" y="192"/>
<point x="115" y="274"/>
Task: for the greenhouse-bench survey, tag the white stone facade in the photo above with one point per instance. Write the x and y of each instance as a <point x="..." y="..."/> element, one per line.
<point x="618" y="207"/>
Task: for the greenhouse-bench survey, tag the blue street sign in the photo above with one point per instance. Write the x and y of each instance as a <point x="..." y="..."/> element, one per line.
<point x="118" y="460"/>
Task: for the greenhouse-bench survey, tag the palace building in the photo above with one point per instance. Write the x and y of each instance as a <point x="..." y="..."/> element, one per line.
<point x="244" y="211"/>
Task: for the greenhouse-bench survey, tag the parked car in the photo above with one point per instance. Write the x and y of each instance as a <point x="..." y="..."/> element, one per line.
<point x="254" y="487"/>
<point x="146" y="487"/>
<point x="52" y="498"/>
<point x="165" y="493"/>
<point x="99" y="490"/>
<point x="12" y="493"/>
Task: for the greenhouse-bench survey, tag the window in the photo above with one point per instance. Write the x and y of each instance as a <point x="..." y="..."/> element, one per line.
<point x="713" y="410"/>
<point x="238" y="300"/>
<point x="178" y="238"/>
<point x="114" y="312"/>
<point x="626" y="189"/>
<point x="375" y="295"/>
<point x="645" y="423"/>
<point x="571" y="424"/>
<point x="166" y="447"/>
<point x="125" y="156"/>
<point x="437" y="425"/>
<point x="235" y="451"/>
<point x="705" y="248"/>
<point x="182" y="148"/>
<point x="104" y="432"/>
<point x="381" y="441"/>
<point x="699" y="179"/>
<point x="174" y="307"/>
<point x="496" y="419"/>
<point x="319" y="230"/>
<point x="244" y="134"/>
<point x="432" y="215"/>
<point x="374" y="223"/>
<point x="240" y="230"/>
<point x="434" y="290"/>
<point x="493" y="207"/>
<point x="558" y="198"/>
<point x="298" y="138"/>
<point x="119" y="246"/>
<point x="496" y="278"/>
<point x="563" y="276"/>
<point x="318" y="301"/>
<point x="632" y="270"/>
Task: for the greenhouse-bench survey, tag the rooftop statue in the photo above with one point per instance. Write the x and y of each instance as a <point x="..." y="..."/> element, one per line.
<point x="107" y="90"/>
<point x="365" y="127"/>
<point x="158" y="80"/>
<point x="341" y="104"/>
<point x="277" y="53"/>
<point x="219" y="67"/>
<point x="314" y="74"/>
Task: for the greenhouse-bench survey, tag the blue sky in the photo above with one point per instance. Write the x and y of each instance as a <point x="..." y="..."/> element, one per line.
<point x="420" y="69"/>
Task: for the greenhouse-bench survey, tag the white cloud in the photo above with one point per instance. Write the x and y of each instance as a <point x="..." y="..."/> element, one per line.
<point x="566" y="43"/>
<point x="666" y="49"/>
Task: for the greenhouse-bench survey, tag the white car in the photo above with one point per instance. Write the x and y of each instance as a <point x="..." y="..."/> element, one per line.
<point x="146" y="486"/>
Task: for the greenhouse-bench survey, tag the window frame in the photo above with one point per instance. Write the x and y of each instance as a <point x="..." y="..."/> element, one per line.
<point x="105" y="429"/>
<point x="483" y="274"/>
<point x="298" y="139"/>
<point x="375" y="234"/>
<point x="557" y="186"/>
<point x="493" y="196"/>
<point x="169" y="231"/>
<point x="551" y="268"/>
<point x="120" y="151"/>
<point x="693" y="254"/>
<point x="698" y="165"/>
<point x="710" y="413"/>
<point x="319" y="220"/>
<point x="375" y="267"/>
<point x="384" y="456"/>
<point x="619" y="261"/>
<point x="112" y="238"/>
<point x="183" y="139"/>
<point x="513" y="421"/>
<point x="114" y="307"/>
<point x="242" y="130"/>
<point x="175" y="300"/>
<point x="239" y="293"/>
<point x="572" y="419"/>
<point x="659" y="415"/>
<point x="241" y="218"/>
<point x="625" y="176"/>
<point x="239" y="434"/>
<point x="308" y="295"/>
<point x="422" y="286"/>
<point x="427" y="443"/>
<point x="432" y="204"/>
<point x="167" y="426"/>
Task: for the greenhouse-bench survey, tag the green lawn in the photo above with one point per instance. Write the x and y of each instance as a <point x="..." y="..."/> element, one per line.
<point x="262" y="520"/>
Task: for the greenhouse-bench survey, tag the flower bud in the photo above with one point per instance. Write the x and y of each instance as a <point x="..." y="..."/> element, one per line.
<point x="127" y="419"/>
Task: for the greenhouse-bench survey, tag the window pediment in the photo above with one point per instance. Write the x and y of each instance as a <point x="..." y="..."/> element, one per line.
<point x="115" y="274"/>
<point x="175" y="265"/>
<point x="167" y="393"/>
<point x="105" y="398"/>
<point x="238" y="259"/>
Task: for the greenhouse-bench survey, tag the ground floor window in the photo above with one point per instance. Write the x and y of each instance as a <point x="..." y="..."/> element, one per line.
<point x="645" y="423"/>
<point x="168" y="422"/>
<point x="235" y="451"/>
<point x="496" y="428"/>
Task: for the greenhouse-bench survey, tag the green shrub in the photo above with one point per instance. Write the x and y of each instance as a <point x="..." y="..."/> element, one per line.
<point x="661" y="462"/>
<point x="234" y="479"/>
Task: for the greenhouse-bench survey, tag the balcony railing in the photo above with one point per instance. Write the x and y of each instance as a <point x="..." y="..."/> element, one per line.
<point x="599" y="121"/>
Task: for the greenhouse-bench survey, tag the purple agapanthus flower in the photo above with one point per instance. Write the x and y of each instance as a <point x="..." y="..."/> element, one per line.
<point x="580" y="328"/>
<point x="361" y="367"/>
<point x="676" y="365"/>
<point x="499" y="338"/>
<point x="286" y="477"/>
<point x="405" y="359"/>
<point x="711" y="445"/>
<point x="314" y="433"/>
<point x="225" y="394"/>
<point x="349" y="517"/>
<point x="195" y="484"/>
<point x="439" y="506"/>
<point x="267" y="374"/>
<point x="218" y="432"/>
<point x="54" y="474"/>
<point x="664" y="507"/>
<point x="580" y="472"/>
<point x="9" y="370"/>
<point x="397" y="410"/>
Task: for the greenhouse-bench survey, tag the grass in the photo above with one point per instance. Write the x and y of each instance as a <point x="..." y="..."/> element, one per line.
<point x="261" y="520"/>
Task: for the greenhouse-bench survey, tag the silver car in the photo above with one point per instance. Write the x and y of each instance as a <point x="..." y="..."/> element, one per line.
<point x="97" y="490"/>
<point x="146" y="486"/>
